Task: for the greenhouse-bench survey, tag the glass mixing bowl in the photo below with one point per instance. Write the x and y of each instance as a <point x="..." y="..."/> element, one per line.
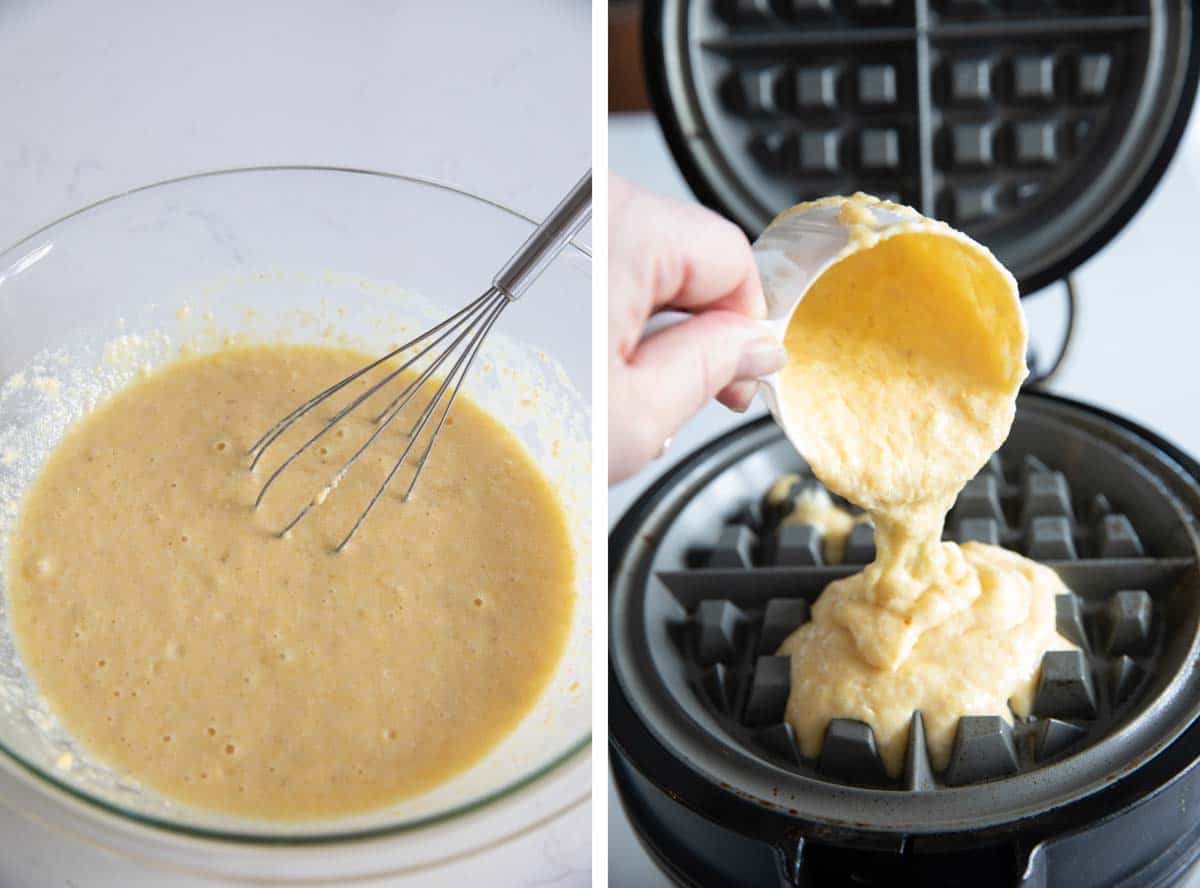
<point x="296" y="254"/>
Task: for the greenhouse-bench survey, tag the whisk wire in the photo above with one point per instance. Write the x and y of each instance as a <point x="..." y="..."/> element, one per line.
<point x="478" y="322"/>
<point x="469" y="357"/>
<point x="345" y="411"/>
<point x="272" y="434"/>
<point x="401" y="401"/>
<point x="450" y="403"/>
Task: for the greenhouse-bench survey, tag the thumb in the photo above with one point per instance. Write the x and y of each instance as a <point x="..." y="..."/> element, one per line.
<point x="678" y="370"/>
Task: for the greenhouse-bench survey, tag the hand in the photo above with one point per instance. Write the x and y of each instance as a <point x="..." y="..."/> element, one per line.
<point x="664" y="254"/>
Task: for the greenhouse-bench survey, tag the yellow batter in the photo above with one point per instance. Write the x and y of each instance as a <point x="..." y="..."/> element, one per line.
<point x="904" y="360"/>
<point x="178" y="638"/>
<point x="816" y="508"/>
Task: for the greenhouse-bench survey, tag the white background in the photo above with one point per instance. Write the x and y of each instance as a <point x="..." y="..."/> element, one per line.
<point x="1134" y="352"/>
<point x="98" y="97"/>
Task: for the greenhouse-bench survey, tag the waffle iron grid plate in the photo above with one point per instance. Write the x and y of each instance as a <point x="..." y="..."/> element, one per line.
<point x="699" y="603"/>
<point x="1039" y="127"/>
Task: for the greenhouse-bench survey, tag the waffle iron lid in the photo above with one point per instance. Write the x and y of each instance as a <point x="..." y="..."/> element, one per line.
<point x="1039" y="127"/>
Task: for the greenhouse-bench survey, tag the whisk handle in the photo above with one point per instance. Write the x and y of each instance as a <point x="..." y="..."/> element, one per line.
<point x="547" y="241"/>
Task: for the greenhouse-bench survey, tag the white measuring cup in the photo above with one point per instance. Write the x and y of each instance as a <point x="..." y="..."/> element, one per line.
<point x="804" y="242"/>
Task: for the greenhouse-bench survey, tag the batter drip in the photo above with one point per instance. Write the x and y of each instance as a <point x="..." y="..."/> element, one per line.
<point x="813" y="506"/>
<point x="904" y="363"/>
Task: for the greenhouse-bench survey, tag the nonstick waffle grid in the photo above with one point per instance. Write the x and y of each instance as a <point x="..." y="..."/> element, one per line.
<point x="975" y="117"/>
<point x="1026" y="123"/>
<point x="758" y="580"/>
<point x="694" y="705"/>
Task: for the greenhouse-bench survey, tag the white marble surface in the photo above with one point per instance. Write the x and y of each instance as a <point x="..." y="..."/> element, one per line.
<point x="1138" y="324"/>
<point x="96" y="98"/>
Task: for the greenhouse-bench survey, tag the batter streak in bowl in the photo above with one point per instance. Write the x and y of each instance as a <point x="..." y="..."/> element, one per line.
<point x="184" y="643"/>
<point x="905" y="358"/>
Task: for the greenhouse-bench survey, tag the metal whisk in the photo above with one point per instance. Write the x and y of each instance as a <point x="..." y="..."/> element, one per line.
<point x="466" y="331"/>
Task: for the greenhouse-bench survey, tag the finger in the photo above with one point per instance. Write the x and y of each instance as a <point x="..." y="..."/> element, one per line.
<point x="738" y="396"/>
<point x="678" y="370"/>
<point x="680" y="255"/>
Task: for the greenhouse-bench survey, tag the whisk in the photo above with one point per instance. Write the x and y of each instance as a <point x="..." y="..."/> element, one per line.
<point x="466" y="331"/>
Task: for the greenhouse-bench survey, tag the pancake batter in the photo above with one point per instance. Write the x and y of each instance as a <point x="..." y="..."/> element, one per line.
<point x="181" y="641"/>
<point x="904" y="363"/>
<point x="813" y="506"/>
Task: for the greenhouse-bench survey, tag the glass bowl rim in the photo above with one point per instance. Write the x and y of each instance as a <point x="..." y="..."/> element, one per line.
<point x="474" y="805"/>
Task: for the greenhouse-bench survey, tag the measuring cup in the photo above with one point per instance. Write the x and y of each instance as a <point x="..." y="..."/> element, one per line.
<point x="804" y="242"/>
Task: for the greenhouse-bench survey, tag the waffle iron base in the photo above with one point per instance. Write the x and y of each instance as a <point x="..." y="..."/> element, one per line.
<point x="1140" y="827"/>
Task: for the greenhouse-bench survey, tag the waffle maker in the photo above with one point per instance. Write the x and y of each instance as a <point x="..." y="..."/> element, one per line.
<point x="1039" y="128"/>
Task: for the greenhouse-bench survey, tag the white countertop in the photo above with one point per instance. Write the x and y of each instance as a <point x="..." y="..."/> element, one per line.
<point x="96" y="98"/>
<point x="1139" y="319"/>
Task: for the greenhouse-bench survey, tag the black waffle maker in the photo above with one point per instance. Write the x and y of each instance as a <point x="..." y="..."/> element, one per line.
<point x="1039" y="127"/>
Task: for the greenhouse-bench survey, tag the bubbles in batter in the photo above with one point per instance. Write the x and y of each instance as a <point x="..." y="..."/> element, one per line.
<point x="181" y="641"/>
